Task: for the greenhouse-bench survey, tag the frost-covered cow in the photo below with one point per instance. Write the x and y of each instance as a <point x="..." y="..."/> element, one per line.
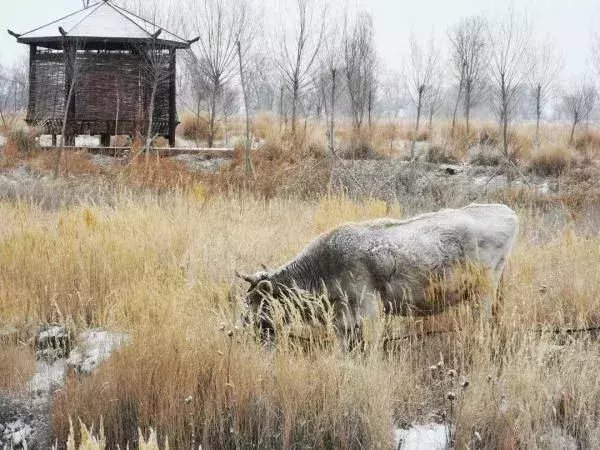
<point x="415" y="266"/>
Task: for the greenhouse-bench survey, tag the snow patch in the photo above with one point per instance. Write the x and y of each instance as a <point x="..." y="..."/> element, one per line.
<point x="16" y="433"/>
<point x="94" y="348"/>
<point x="423" y="437"/>
<point x="48" y="376"/>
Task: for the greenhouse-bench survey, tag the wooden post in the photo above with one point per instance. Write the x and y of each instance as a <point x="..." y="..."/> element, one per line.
<point x="32" y="83"/>
<point x="172" y="96"/>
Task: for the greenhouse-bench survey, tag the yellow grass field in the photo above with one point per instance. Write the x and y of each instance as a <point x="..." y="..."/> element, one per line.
<point x="161" y="267"/>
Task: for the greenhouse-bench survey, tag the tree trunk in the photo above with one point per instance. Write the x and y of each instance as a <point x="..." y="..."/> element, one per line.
<point x="573" y="131"/>
<point x="370" y="106"/>
<point x="332" y="124"/>
<point x="419" y="106"/>
<point x="247" y="147"/>
<point x="431" y="120"/>
<point x="117" y="114"/>
<point x="150" y="120"/>
<point x="281" y="110"/>
<point x="505" y="135"/>
<point x="468" y="107"/>
<point x="64" y="130"/>
<point x="538" y="113"/>
<point x="70" y="82"/>
<point x="455" y="112"/>
<point x="294" y="110"/>
<point x="212" y="113"/>
<point x="196" y="134"/>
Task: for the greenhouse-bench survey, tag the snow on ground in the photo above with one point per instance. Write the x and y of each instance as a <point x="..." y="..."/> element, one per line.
<point x="201" y="163"/>
<point x="94" y="348"/>
<point x="25" y="418"/>
<point x="48" y="376"/>
<point x="2" y="141"/>
<point x="45" y="140"/>
<point x="423" y="437"/>
<point x="15" y="433"/>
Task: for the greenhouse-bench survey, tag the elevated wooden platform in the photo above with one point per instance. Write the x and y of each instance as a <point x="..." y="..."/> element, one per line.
<point x="207" y="153"/>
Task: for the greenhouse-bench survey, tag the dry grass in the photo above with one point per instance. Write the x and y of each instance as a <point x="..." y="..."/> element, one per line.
<point x="551" y="161"/>
<point x="17" y="365"/>
<point x="157" y="260"/>
<point x="162" y="268"/>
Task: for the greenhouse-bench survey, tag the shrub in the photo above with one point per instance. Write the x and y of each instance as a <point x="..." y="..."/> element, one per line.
<point x="589" y="140"/>
<point x="421" y="136"/>
<point x="361" y="147"/>
<point x="264" y="125"/>
<point x="588" y="146"/>
<point x="194" y="128"/>
<point x="485" y="156"/>
<point x="22" y="140"/>
<point x="551" y="161"/>
<point x="438" y="154"/>
<point x="489" y="136"/>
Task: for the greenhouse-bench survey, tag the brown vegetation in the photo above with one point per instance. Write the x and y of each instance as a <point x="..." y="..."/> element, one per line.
<point x="551" y="161"/>
<point x="158" y="261"/>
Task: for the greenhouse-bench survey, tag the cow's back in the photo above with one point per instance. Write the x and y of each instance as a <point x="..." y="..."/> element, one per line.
<point x="392" y="256"/>
<point x="428" y="237"/>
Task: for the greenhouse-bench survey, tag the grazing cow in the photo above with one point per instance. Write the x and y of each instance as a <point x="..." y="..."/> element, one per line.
<point x="407" y="267"/>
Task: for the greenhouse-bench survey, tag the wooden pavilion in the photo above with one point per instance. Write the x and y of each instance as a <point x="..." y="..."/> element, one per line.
<point x="118" y="64"/>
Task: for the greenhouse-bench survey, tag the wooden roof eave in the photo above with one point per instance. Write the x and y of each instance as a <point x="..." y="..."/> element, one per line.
<point x="100" y="40"/>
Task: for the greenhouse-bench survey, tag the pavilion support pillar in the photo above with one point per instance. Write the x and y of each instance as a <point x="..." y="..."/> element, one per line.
<point x="32" y="82"/>
<point x="70" y="140"/>
<point x="105" y="140"/>
<point x="172" y="96"/>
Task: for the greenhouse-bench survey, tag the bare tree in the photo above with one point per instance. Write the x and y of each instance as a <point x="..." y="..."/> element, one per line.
<point x="247" y="144"/>
<point x="509" y="67"/>
<point x="261" y="82"/>
<point x="13" y="93"/>
<point x="73" y="72"/>
<point x="469" y="59"/>
<point x="219" y="25"/>
<point x="157" y="73"/>
<point x="433" y="100"/>
<point x="296" y="49"/>
<point x="157" y="58"/>
<point x="392" y="100"/>
<point x="330" y="79"/>
<point x="595" y="54"/>
<point x="545" y="68"/>
<point x="420" y="74"/>
<point x="578" y="105"/>
<point x="359" y="68"/>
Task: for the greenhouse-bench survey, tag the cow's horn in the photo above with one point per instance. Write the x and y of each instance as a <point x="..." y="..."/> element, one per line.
<point x="264" y="267"/>
<point x="247" y="278"/>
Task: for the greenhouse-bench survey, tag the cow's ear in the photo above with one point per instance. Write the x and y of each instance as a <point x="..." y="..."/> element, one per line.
<point x="265" y="286"/>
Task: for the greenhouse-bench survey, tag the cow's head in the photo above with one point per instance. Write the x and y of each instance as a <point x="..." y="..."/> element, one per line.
<point x="258" y="298"/>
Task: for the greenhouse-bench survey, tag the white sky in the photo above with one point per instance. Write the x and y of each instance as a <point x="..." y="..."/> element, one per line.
<point x="569" y="23"/>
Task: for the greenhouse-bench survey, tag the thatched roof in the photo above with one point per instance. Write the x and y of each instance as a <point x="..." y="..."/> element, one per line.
<point x="102" y="22"/>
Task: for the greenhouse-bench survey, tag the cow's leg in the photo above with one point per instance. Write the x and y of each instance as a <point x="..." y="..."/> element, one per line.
<point x="348" y="325"/>
<point x="364" y="313"/>
<point x="498" y="279"/>
<point x="491" y="299"/>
